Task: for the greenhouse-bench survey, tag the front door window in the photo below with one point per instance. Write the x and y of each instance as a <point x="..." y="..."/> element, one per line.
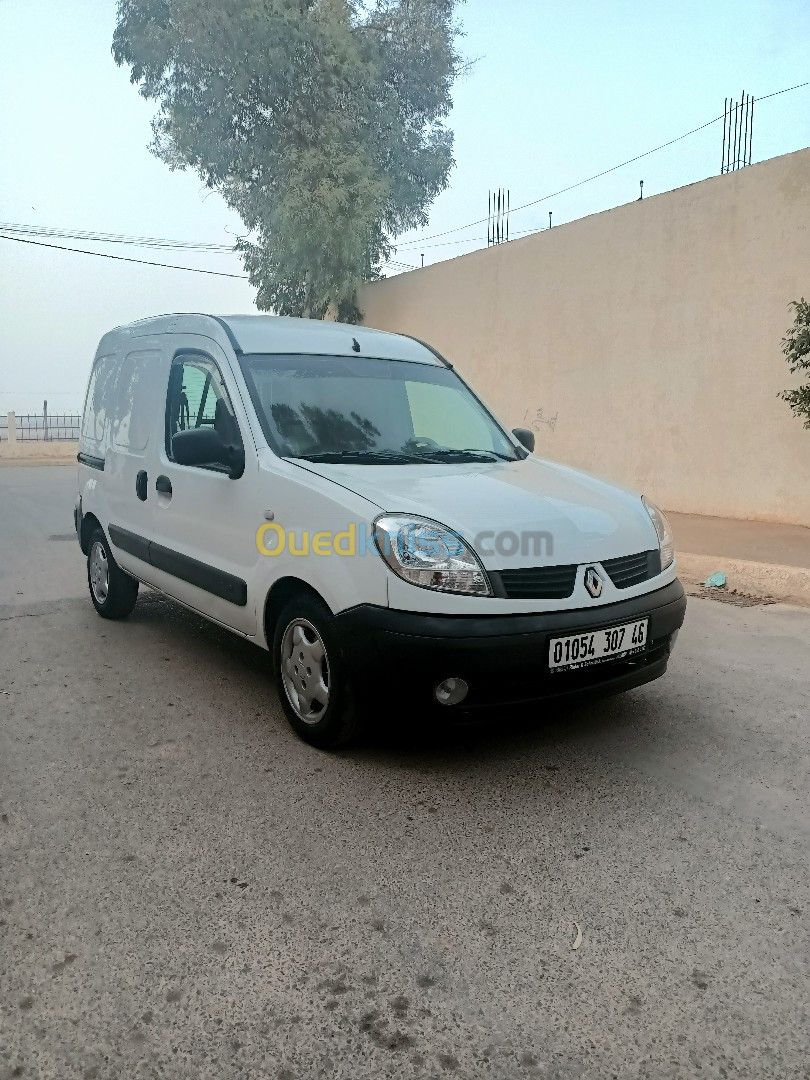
<point x="198" y="398"/>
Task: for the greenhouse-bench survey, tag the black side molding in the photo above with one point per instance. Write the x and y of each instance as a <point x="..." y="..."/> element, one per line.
<point x="217" y="582"/>
<point x="214" y="581"/>
<point x="93" y="462"/>
<point x="130" y="542"/>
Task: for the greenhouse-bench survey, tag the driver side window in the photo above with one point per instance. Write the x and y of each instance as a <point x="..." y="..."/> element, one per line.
<point x="198" y="398"/>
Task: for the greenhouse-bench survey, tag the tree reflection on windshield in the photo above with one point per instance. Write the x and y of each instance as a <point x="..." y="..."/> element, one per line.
<point x="365" y="406"/>
<point x="316" y="428"/>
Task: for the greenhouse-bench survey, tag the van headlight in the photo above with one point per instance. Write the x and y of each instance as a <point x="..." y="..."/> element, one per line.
<point x="430" y="555"/>
<point x="665" y="541"/>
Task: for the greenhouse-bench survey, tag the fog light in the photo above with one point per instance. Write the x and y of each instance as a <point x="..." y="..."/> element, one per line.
<point x="451" y="691"/>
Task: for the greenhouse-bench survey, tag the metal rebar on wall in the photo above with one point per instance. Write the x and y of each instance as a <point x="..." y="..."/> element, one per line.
<point x="738" y="131"/>
<point x="498" y="206"/>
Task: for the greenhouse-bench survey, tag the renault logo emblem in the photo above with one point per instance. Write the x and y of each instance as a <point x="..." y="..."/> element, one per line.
<point x="593" y="583"/>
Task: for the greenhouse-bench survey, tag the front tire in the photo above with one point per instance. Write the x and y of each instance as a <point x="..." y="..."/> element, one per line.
<point x="112" y="591"/>
<point x="311" y="677"/>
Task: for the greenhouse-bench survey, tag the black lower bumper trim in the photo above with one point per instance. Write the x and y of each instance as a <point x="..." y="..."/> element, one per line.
<point x="503" y="658"/>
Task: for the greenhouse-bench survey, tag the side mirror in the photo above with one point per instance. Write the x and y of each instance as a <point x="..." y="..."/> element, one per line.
<point x="204" y="446"/>
<point x="525" y="437"/>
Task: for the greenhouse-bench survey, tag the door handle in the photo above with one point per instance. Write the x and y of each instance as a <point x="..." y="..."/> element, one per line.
<point x="164" y="485"/>
<point x="140" y="486"/>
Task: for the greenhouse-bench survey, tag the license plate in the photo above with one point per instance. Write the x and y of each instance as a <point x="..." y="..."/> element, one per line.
<point x="594" y="647"/>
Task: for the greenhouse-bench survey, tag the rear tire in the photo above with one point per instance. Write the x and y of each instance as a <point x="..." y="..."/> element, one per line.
<point x="311" y="677"/>
<point x="112" y="591"/>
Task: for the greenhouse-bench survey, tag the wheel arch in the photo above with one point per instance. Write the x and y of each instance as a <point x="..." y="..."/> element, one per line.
<point x="89" y="525"/>
<point x="280" y="592"/>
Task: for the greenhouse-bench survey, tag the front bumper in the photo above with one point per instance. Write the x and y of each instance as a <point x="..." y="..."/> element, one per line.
<point x="401" y="655"/>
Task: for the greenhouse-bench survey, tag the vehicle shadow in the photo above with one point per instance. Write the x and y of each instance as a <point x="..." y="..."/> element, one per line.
<point x="497" y="732"/>
<point x="393" y="732"/>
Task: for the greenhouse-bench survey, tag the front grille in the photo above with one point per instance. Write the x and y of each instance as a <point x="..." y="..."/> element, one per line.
<point x="536" y="583"/>
<point x="633" y="569"/>
<point x="557" y="582"/>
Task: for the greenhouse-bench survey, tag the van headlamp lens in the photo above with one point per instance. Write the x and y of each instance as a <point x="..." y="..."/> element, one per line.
<point x="430" y="555"/>
<point x="662" y="527"/>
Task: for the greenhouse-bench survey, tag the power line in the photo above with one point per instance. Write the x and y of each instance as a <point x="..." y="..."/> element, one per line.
<point x="571" y="187"/>
<point x="597" y="176"/>
<point x="146" y="262"/>
<point x="476" y="240"/>
<point x="54" y="233"/>
<point x="109" y="238"/>
<point x="787" y="89"/>
<point x="121" y="258"/>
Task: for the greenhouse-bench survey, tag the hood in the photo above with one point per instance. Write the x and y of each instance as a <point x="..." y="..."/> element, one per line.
<point x="522" y="513"/>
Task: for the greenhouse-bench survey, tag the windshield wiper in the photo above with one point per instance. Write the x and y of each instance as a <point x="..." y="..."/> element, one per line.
<point x="476" y="455"/>
<point x="363" y="457"/>
<point x="437" y="456"/>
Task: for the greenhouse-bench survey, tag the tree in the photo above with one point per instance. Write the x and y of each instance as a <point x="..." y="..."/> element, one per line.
<point x="796" y="347"/>
<point x="321" y="122"/>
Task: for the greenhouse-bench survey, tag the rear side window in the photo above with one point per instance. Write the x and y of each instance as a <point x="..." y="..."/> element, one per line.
<point x="138" y="400"/>
<point x="99" y="405"/>
<point x="198" y="398"/>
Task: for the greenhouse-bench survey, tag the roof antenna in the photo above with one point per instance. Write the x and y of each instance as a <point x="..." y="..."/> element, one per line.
<point x="355" y="344"/>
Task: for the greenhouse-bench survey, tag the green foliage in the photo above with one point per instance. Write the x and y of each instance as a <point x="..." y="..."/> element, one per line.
<point x="321" y="122"/>
<point x="796" y="347"/>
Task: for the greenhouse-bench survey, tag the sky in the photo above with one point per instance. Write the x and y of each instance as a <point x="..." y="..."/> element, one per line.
<point x="557" y="92"/>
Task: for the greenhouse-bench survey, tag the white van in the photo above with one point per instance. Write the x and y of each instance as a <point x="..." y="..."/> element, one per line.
<point x="342" y="498"/>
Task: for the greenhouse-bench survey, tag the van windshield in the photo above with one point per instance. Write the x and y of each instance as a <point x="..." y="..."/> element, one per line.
<point x="361" y="410"/>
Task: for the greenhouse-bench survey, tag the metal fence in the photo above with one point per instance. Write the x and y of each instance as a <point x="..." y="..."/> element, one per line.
<point x="59" y="427"/>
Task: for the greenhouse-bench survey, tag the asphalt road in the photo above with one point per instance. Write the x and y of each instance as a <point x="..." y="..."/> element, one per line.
<point x="188" y="891"/>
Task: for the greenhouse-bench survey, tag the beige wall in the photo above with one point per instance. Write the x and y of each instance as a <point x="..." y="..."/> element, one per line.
<point x="651" y="333"/>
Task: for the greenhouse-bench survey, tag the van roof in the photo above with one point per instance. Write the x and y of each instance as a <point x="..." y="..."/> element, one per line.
<point x="278" y="334"/>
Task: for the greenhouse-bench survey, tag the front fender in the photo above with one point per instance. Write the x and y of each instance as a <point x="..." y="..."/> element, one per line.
<point x="342" y="580"/>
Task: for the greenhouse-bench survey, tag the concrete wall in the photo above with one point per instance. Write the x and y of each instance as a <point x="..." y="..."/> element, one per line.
<point x="642" y="344"/>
